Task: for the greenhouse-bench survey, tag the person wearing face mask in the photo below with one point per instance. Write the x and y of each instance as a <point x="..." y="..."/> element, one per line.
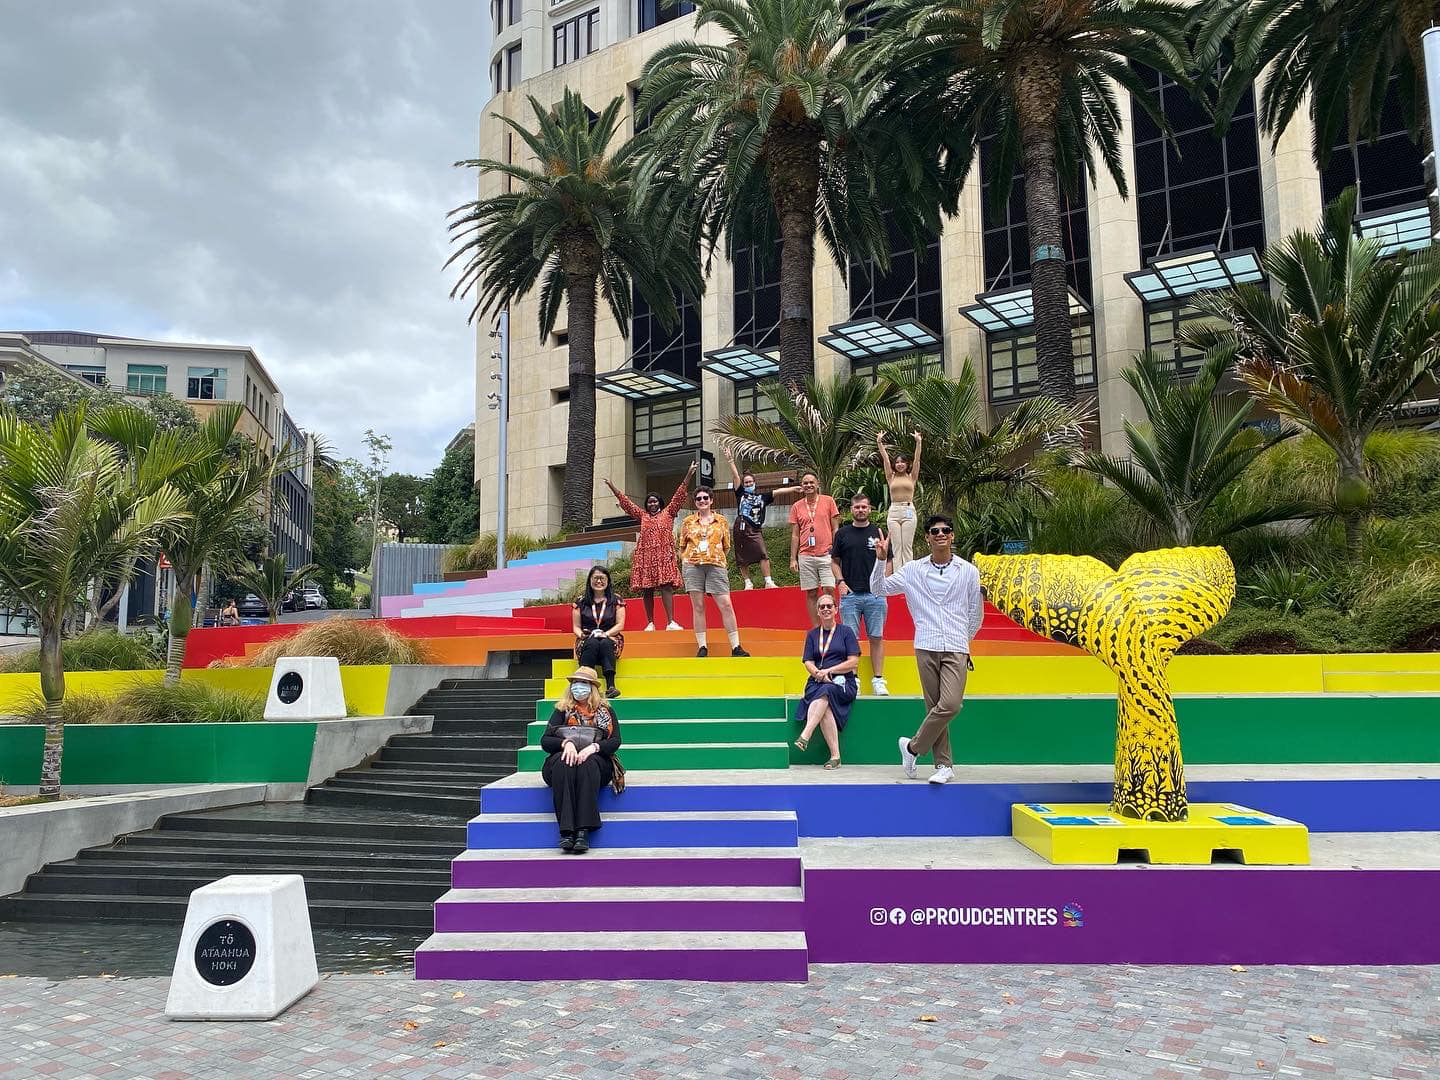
<point x="900" y="474"/>
<point x="832" y="654"/>
<point x="599" y="623"/>
<point x="750" y="503"/>
<point x="580" y="739"/>
<point x="652" y="564"/>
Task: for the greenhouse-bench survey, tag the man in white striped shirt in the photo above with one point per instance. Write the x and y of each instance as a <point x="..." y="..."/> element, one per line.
<point x="943" y="594"/>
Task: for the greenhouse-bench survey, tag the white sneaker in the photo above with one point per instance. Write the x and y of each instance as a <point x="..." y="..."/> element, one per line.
<point x="770" y="583"/>
<point x="907" y="759"/>
<point x="649" y="626"/>
<point x="878" y="687"/>
<point x="673" y="625"/>
<point x="749" y="584"/>
<point x="943" y="774"/>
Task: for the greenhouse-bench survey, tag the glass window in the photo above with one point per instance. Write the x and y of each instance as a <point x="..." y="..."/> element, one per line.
<point x="145" y="378"/>
<point x="756" y="297"/>
<point x="654" y="347"/>
<point x="512" y="67"/>
<point x="91" y="373"/>
<point x="749" y="401"/>
<point x="869" y="370"/>
<point x="909" y="289"/>
<point x="1006" y="242"/>
<point x="497" y="15"/>
<point x="205" y="383"/>
<point x="513" y="8"/>
<point x="496" y="81"/>
<point x="868" y="15"/>
<point x="1012" y="366"/>
<point x="575" y="38"/>
<point x="655" y="13"/>
<point x="1389" y="169"/>
<point x="1162" y="335"/>
<point x="669" y="425"/>
<point x="1197" y="191"/>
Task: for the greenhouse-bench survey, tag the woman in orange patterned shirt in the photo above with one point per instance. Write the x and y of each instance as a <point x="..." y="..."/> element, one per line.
<point x="704" y="543"/>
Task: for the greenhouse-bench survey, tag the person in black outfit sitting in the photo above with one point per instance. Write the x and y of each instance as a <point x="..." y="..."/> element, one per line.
<point x="581" y="739"/>
<point x="598" y="622"/>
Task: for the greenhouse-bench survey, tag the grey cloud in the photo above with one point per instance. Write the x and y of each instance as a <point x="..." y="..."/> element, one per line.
<point x="273" y="173"/>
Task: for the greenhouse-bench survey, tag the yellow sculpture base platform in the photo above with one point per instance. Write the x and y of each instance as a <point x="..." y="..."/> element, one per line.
<point x="1090" y="833"/>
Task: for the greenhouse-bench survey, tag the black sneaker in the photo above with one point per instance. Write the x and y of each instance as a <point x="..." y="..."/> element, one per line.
<point x="614" y="692"/>
<point x="704" y="650"/>
<point x="582" y="843"/>
<point x="567" y="841"/>
<point x="738" y="651"/>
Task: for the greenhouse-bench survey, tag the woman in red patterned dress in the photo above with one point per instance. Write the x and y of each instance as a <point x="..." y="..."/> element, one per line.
<point x="653" y="565"/>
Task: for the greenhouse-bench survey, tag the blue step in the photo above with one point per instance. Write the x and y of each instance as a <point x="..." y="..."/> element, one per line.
<point x="597" y="553"/>
<point x="430" y="588"/>
<point x="628" y="829"/>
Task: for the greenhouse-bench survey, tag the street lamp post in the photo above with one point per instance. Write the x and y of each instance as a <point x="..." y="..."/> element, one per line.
<point x="500" y="402"/>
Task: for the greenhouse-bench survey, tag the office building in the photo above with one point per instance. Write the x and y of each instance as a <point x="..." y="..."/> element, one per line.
<point x="1200" y="211"/>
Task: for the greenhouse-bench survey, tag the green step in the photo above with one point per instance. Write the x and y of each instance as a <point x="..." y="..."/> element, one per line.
<point x="699" y="731"/>
<point x="670" y="756"/>
<point x="1235" y="729"/>
<point x="700" y="708"/>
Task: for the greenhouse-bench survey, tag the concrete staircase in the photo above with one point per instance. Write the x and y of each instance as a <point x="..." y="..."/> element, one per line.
<point x="373" y="844"/>
<point x="666" y="893"/>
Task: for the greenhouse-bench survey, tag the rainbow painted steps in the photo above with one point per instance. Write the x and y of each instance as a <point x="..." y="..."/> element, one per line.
<point x="756" y="732"/>
<point x="725" y="676"/>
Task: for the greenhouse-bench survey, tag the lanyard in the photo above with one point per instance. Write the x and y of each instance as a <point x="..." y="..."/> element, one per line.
<point x="814" y="511"/>
<point x="597" y="611"/>
<point x="825" y="641"/>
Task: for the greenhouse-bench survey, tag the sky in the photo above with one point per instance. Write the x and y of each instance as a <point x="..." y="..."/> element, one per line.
<point x="271" y="173"/>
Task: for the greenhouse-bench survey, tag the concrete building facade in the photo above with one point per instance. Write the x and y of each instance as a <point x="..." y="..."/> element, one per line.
<point x="1200" y="210"/>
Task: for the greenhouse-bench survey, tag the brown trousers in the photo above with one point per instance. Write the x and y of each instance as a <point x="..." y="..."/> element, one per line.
<point x="942" y="680"/>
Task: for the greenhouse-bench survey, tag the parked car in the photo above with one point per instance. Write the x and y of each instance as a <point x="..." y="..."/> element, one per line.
<point x="251" y="606"/>
<point x="314" y="598"/>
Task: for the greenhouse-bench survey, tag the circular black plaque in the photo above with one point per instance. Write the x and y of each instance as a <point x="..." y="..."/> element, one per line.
<point x="225" y="952"/>
<point x="289" y="687"/>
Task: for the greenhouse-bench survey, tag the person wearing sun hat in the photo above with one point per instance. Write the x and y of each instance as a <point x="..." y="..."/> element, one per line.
<point x="581" y="740"/>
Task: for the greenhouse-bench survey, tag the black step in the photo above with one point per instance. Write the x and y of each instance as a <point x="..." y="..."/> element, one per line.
<point x="371" y="782"/>
<point x="466" y="807"/>
<point x="378" y="829"/>
<point x="440" y="774"/>
<point x="443" y="756"/>
<point x="363" y="847"/>
<point x="468" y="770"/>
<point x="136" y="860"/>
<point x="317" y="886"/>
<point x="363" y="913"/>
<point x="458" y="741"/>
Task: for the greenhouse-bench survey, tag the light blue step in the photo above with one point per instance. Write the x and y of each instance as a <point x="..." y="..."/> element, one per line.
<point x="430" y="588"/>
<point x="596" y="553"/>
<point x="688" y="829"/>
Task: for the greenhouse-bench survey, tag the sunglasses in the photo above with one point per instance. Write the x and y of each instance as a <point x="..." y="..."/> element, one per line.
<point x="941" y="530"/>
<point x="824" y="607"/>
<point x="702" y="498"/>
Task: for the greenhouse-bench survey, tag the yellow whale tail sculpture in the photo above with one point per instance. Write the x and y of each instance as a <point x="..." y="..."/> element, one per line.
<point x="1133" y="619"/>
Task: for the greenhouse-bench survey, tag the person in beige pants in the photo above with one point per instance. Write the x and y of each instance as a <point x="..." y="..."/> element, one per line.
<point x="900" y="474"/>
<point x="943" y="594"/>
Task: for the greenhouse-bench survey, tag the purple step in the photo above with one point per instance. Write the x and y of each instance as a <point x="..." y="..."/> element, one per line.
<point x="695" y="956"/>
<point x="645" y="908"/>
<point x="549" y="868"/>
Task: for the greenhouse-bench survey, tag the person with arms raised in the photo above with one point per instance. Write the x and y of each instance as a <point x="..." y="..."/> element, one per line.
<point x="652" y="565"/>
<point x="900" y="474"/>
<point x="750" y="505"/>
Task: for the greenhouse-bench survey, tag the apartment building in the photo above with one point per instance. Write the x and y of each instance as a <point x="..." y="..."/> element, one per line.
<point x="203" y="377"/>
<point x="1199" y="213"/>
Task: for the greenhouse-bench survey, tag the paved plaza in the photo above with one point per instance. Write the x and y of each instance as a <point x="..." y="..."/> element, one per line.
<point x="851" y="1021"/>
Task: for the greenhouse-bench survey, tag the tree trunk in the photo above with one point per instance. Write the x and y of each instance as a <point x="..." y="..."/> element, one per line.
<point x="182" y="617"/>
<point x="1037" y="93"/>
<point x="1352" y="500"/>
<point x="792" y="153"/>
<point x="52" y="688"/>
<point x="578" y="506"/>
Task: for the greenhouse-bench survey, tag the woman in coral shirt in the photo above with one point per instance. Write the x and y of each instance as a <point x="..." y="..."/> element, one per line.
<point x="704" y="543"/>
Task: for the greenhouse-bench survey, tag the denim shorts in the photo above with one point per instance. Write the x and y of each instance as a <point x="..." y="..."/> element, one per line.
<point x="854" y="606"/>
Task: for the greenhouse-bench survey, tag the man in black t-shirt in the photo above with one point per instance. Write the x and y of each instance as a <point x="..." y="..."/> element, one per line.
<point x="852" y="557"/>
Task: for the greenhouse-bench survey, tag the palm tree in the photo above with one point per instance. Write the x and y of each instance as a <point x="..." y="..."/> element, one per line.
<point x="1346" y="338"/>
<point x="223" y="486"/>
<point x="575" y="220"/>
<point x="1187" y="455"/>
<point x="818" y="427"/>
<point x="964" y="458"/>
<point x="1040" y="77"/>
<point x="72" y="515"/>
<point x="1336" y="57"/>
<point x="779" y="130"/>
<point x="269" y="580"/>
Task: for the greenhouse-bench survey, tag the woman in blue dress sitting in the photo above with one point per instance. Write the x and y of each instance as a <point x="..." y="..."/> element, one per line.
<point x="832" y="655"/>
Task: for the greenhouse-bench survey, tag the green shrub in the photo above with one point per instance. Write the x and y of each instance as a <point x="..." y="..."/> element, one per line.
<point x="340" y="597"/>
<point x="98" y="650"/>
<point x="1402" y="613"/>
<point x="480" y="554"/>
<point x="1287" y="589"/>
<point x="1259" y="630"/>
<point x="186" y="702"/>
